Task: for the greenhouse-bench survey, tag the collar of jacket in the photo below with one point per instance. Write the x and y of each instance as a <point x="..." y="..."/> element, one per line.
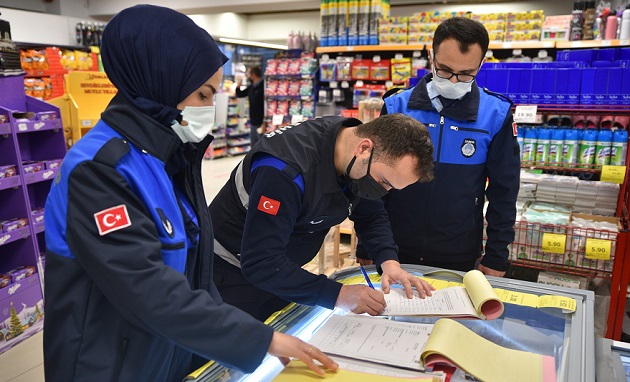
<point x="463" y="110"/>
<point x="331" y="182"/>
<point x="149" y="135"/>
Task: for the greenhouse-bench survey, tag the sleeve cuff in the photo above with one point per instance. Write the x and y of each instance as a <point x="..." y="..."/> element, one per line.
<point x="329" y="293"/>
<point x="497" y="263"/>
<point x="384" y="256"/>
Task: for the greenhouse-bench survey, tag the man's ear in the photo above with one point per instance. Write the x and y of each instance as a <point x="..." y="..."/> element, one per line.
<point x="365" y="144"/>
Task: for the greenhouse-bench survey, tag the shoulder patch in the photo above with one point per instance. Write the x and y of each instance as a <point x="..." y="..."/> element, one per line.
<point x="498" y="95"/>
<point x="112" y="219"/>
<point x="268" y="205"/>
<point x="112" y="151"/>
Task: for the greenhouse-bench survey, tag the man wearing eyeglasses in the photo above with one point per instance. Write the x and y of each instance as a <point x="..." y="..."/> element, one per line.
<point x="440" y="223"/>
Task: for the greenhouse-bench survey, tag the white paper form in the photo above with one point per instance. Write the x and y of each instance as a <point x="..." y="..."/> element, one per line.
<point x="374" y="339"/>
<point x="452" y="301"/>
<point x="384" y="370"/>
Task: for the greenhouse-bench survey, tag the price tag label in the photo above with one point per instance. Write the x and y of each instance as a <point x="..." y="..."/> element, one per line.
<point x="598" y="249"/>
<point x="277" y="119"/>
<point x="297" y="118"/>
<point x="606" y="43"/>
<point x="613" y="174"/>
<point x="576" y="44"/>
<point x="507" y="45"/>
<point x="525" y="114"/>
<point x="554" y="242"/>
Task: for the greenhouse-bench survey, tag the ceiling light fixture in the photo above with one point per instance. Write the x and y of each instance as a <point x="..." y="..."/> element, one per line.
<point x="252" y="43"/>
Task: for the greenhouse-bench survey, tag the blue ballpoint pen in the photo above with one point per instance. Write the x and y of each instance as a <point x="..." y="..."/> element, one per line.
<point x="366" y="277"/>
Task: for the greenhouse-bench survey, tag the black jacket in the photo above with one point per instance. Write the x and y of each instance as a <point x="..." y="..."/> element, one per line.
<point x="134" y="303"/>
<point x="256" y="95"/>
<point x="310" y="199"/>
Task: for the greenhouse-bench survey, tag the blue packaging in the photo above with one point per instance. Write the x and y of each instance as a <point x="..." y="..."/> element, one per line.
<point x="588" y="144"/>
<point x="536" y="89"/>
<point x="602" y="150"/>
<point x="574" y="86"/>
<point x="562" y="86"/>
<point x="549" y="86"/>
<point x="587" y="55"/>
<point x="520" y="137"/>
<point x="542" y="147"/>
<point x="613" y="89"/>
<point x="562" y="55"/>
<point x="500" y="81"/>
<point x="514" y="82"/>
<point x="481" y="77"/>
<point x="624" y="93"/>
<point x="625" y="54"/>
<point x="587" y="89"/>
<point x="525" y="87"/>
<point x="608" y="54"/>
<point x="600" y="92"/>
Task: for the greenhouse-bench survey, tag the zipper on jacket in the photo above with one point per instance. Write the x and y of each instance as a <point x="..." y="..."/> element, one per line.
<point x="119" y="362"/>
<point x="470" y="129"/>
<point x="439" y="147"/>
<point x="179" y="245"/>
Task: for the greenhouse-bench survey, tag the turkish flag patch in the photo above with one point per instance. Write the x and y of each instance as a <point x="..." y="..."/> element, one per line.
<point x="268" y="205"/>
<point x="112" y="219"/>
<point x="514" y="129"/>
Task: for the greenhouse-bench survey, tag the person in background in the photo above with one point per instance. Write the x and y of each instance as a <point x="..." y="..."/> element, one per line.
<point x="255" y="92"/>
<point x="440" y="223"/>
<point x="129" y="290"/>
<point x="274" y="212"/>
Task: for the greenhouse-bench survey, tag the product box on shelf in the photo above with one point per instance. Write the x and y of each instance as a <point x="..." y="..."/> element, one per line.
<point x="37" y="215"/>
<point x="562" y="280"/>
<point x="30" y="167"/>
<point x="21" y="311"/>
<point x="13" y="224"/>
<point x="5" y="280"/>
<point x="21" y="272"/>
<point x="7" y="171"/>
<point x="52" y="164"/>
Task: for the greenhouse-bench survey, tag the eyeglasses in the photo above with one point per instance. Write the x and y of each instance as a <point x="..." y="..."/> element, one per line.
<point x="447" y="74"/>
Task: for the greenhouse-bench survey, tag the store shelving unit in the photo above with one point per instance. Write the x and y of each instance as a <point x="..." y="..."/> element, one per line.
<point x="36" y="136"/>
<point x="236" y="139"/>
<point x="618" y="268"/>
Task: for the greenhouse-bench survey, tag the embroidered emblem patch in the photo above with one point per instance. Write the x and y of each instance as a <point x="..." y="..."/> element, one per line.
<point x="469" y="146"/>
<point x="268" y="205"/>
<point x="112" y="219"/>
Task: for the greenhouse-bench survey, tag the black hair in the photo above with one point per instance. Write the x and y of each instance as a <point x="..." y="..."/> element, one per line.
<point x="399" y="135"/>
<point x="465" y="31"/>
<point x="256" y="70"/>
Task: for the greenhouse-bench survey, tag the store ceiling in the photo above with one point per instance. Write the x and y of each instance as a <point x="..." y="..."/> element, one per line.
<point x="106" y="9"/>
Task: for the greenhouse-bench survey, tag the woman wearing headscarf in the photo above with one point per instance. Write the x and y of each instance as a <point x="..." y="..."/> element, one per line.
<point x="129" y="291"/>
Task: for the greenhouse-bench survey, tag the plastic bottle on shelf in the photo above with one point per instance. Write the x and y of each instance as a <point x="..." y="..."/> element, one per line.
<point x="602" y="150"/>
<point x="589" y="20"/>
<point x="543" y="56"/>
<point x="619" y="148"/>
<point x="586" y="154"/>
<point x="555" y="147"/>
<point x="611" y="26"/>
<point x="517" y="56"/>
<point x="529" y="146"/>
<point x="520" y="137"/>
<point x="542" y="147"/>
<point x="625" y="24"/>
<point x="570" y="147"/>
<point x="577" y="21"/>
<point x="490" y="56"/>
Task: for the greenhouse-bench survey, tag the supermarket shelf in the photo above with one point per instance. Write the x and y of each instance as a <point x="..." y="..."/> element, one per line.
<point x="20" y="233"/>
<point x="45" y="73"/>
<point x="10" y="182"/>
<point x="522" y="45"/>
<point x="581" y="109"/>
<point x="368" y="48"/>
<point x="596" y="169"/>
<point x="291" y="76"/>
<point x="493" y="45"/>
<point x="40" y="176"/>
<point x="591" y="44"/>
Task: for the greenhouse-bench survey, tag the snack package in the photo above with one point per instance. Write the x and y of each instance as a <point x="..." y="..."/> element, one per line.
<point x="361" y="69"/>
<point x="294" y="88"/>
<point x="328" y="71"/>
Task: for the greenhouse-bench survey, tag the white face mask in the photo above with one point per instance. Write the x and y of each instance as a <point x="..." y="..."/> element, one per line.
<point x="450" y="90"/>
<point x="200" y="120"/>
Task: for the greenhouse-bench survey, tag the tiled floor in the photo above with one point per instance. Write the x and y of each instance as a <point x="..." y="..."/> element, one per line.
<point x="25" y="362"/>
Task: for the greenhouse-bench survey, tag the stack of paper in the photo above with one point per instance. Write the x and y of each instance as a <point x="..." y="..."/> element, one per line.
<point x="606" y="201"/>
<point x="547" y="189"/>
<point x="586" y="194"/>
<point x="566" y="191"/>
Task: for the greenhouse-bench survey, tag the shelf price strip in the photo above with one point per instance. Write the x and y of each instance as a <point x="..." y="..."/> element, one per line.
<point x="554" y="242"/>
<point x="598" y="249"/>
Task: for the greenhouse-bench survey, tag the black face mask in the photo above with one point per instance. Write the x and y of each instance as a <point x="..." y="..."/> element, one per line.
<point x="365" y="187"/>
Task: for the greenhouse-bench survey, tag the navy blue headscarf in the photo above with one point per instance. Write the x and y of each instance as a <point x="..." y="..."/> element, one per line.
<point x="156" y="57"/>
